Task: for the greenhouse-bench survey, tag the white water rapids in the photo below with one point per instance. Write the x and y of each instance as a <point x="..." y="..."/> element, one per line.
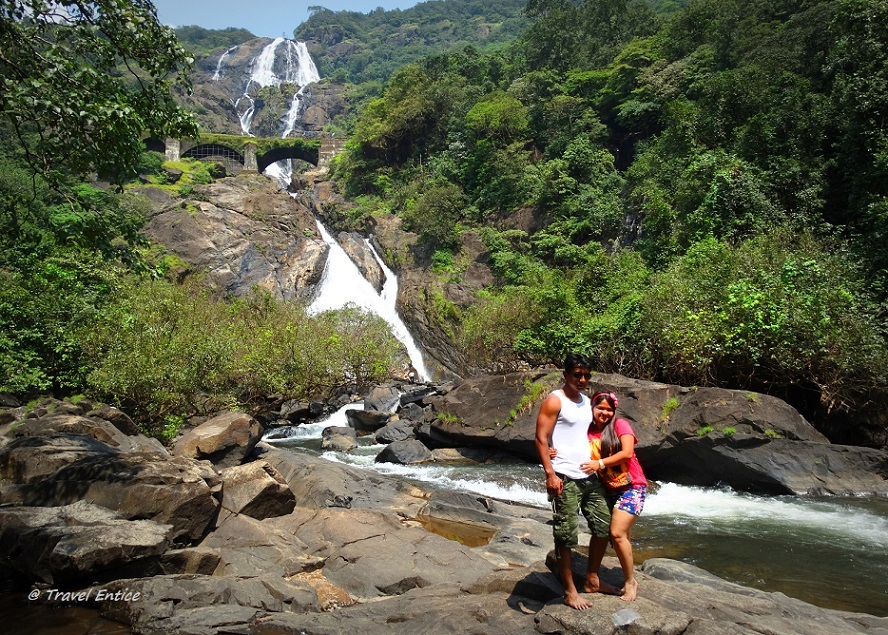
<point x="831" y="552"/>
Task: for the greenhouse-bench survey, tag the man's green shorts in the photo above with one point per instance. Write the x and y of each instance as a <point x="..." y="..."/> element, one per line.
<point x="588" y="496"/>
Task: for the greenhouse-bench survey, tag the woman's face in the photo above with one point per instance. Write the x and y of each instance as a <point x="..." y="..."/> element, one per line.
<point x="602" y="413"/>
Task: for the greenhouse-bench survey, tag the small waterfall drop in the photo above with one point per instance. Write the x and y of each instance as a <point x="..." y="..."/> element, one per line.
<point x="218" y="74"/>
<point x="343" y="283"/>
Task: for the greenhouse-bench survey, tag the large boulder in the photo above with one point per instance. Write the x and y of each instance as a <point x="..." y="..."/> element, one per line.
<point x="82" y="541"/>
<point x="406" y="452"/>
<point x="57" y="461"/>
<point x="225" y="440"/>
<point x="257" y="490"/>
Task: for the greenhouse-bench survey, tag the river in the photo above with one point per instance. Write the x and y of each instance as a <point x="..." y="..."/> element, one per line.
<point x="830" y="552"/>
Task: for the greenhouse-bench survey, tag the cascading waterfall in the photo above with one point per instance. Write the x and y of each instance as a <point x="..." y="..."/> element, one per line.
<point x="342" y="283"/>
<point x="299" y="69"/>
<point x="218" y="74"/>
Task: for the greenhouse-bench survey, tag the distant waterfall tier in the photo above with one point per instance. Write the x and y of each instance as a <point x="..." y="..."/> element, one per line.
<point x="281" y="61"/>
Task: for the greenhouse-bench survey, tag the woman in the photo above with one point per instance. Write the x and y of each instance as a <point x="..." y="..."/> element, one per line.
<point x="612" y="442"/>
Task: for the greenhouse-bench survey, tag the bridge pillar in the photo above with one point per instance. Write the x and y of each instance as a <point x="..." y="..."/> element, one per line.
<point x="172" y="149"/>
<point x="250" y="162"/>
<point x="330" y="147"/>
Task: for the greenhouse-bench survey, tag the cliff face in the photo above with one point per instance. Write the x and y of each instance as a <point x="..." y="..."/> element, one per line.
<point x="243" y="232"/>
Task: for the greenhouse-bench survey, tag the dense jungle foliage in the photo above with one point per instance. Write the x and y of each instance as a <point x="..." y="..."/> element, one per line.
<point x="708" y="188"/>
<point x="349" y="46"/>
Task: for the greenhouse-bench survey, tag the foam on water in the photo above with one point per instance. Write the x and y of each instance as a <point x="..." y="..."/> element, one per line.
<point x="737" y="512"/>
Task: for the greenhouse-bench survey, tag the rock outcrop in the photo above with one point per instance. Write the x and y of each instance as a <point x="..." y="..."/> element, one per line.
<point x="705" y="436"/>
<point x="304" y="545"/>
<point x="244" y="233"/>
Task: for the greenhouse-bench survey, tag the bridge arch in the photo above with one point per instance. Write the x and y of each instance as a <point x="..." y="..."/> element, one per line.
<point x="281" y="153"/>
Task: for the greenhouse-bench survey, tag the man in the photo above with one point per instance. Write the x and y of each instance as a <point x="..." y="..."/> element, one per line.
<point x="564" y="419"/>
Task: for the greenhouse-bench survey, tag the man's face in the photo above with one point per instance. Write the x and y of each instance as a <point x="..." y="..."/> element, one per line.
<point x="577" y="378"/>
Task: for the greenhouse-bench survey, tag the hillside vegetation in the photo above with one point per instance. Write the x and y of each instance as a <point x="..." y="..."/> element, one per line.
<point x="711" y="187"/>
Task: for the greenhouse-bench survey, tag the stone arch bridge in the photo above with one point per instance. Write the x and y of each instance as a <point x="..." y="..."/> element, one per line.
<point x="250" y="154"/>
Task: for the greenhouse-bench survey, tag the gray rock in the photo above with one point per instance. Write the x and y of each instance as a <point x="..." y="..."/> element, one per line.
<point x="257" y="490"/>
<point x="225" y="440"/>
<point x="245" y="545"/>
<point x="382" y="399"/>
<point x="366" y="420"/>
<point x="353" y="244"/>
<point x="395" y="431"/>
<point x="59" y="545"/>
<point x="59" y="470"/>
<point x="407" y="452"/>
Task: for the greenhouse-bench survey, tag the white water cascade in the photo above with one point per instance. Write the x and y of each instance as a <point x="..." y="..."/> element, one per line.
<point x="299" y="69"/>
<point x="342" y="283"/>
<point x="218" y="74"/>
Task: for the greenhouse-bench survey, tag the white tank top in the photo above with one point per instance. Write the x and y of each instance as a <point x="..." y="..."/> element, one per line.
<point x="571" y="435"/>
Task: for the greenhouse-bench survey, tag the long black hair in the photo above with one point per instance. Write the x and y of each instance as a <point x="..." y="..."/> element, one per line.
<point x="610" y="442"/>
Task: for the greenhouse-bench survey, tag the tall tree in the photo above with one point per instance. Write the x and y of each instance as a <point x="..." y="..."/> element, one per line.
<point x="82" y="82"/>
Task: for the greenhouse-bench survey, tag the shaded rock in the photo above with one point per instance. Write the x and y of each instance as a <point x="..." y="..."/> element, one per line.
<point x="225" y="440"/>
<point x="417" y="396"/>
<point x="117" y="417"/>
<point x="411" y="412"/>
<point x="366" y="420"/>
<point x="257" y="490"/>
<point x="122" y="436"/>
<point x="64" y="544"/>
<point x="395" y="431"/>
<point x="60" y="470"/>
<point x="204" y="604"/>
<point x="300" y="412"/>
<point x="407" y="452"/>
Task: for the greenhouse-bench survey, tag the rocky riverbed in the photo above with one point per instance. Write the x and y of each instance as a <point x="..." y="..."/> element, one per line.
<point x="224" y="533"/>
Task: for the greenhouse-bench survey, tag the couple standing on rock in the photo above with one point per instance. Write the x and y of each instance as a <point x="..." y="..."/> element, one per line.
<point x="590" y="464"/>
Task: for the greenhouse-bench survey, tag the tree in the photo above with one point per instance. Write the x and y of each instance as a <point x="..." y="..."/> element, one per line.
<point x="82" y="82"/>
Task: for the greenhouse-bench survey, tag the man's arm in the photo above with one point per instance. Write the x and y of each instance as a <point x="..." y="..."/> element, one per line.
<point x="545" y="425"/>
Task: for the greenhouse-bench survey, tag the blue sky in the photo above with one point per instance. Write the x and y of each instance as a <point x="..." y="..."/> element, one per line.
<point x="265" y="18"/>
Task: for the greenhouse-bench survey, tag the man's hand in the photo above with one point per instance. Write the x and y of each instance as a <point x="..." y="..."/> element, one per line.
<point x="554" y="485"/>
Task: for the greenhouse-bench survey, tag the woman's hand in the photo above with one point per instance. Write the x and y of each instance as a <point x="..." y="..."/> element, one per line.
<point x="553" y="453"/>
<point x="589" y="468"/>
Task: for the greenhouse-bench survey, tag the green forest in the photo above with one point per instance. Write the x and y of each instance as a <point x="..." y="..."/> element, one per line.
<point x="704" y="182"/>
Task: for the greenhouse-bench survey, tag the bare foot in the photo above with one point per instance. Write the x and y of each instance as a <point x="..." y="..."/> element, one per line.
<point x="596" y="585"/>
<point x="574" y="601"/>
<point x="630" y="590"/>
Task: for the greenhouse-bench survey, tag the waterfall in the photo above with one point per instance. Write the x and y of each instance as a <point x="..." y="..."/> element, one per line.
<point x="299" y="69"/>
<point x="218" y="74"/>
<point x="342" y="283"/>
